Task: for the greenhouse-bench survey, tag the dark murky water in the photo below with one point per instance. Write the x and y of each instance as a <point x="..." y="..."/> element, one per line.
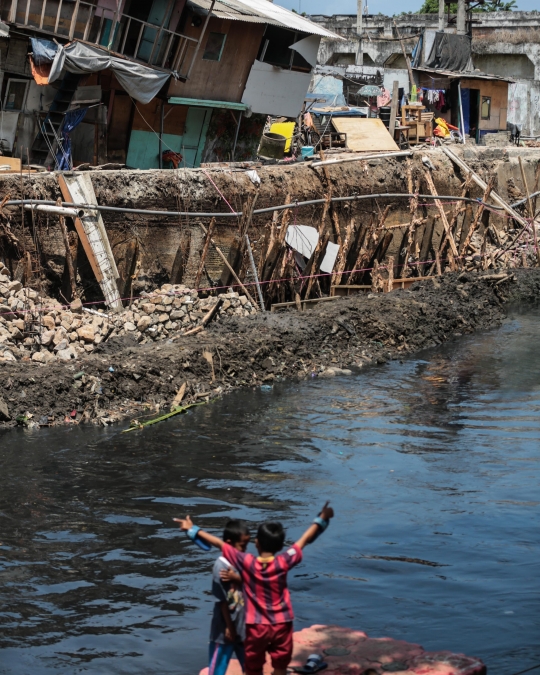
<point x="432" y="465"/>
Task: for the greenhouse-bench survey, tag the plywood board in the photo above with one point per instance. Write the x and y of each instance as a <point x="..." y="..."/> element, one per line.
<point x="13" y="162"/>
<point x="364" y="134"/>
<point x="77" y="188"/>
<point x="273" y="91"/>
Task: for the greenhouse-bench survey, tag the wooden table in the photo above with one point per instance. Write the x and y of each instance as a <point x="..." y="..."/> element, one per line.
<point x="416" y="121"/>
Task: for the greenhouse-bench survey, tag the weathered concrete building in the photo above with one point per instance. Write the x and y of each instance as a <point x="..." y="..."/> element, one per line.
<point x="506" y="44"/>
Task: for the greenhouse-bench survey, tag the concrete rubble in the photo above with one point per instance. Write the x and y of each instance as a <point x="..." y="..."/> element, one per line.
<point x="65" y="334"/>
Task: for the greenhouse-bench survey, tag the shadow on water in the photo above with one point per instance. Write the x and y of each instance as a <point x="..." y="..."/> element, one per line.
<point x="432" y="465"/>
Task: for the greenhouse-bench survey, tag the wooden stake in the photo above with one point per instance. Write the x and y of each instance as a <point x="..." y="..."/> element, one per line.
<point x="405" y="56"/>
<point x="531" y="209"/>
<point x="205" y="251"/>
<point x="312" y="264"/>
<point x="69" y="259"/>
<point x="224" y="258"/>
<point x="433" y="190"/>
<point x="394" y="108"/>
<point x="342" y="255"/>
<point x="438" y="263"/>
<point x="390" y="281"/>
<point x="478" y="215"/>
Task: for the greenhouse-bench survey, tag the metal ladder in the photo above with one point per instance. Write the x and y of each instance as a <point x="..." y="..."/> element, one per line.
<point x="50" y="126"/>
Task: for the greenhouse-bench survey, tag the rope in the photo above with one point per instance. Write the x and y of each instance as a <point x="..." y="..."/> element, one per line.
<point x="208" y="289"/>
<point x="219" y="191"/>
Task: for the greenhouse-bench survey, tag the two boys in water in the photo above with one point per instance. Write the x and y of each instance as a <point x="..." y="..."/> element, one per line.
<point x="253" y="614"/>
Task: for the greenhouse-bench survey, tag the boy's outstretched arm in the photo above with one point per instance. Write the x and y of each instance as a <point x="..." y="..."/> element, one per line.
<point x="186" y="524"/>
<point x="314" y="529"/>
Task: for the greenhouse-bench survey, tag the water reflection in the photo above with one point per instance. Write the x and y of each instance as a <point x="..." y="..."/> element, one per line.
<point x="432" y="465"/>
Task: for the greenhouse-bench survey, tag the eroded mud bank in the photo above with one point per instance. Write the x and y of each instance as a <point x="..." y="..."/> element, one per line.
<point x="122" y="379"/>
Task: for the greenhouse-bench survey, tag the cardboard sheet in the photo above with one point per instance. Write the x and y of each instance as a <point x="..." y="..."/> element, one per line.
<point x="364" y="134"/>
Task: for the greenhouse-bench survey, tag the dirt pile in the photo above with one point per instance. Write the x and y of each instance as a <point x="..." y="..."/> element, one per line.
<point x="122" y="378"/>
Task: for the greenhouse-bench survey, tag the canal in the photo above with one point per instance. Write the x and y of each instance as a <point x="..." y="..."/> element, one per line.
<point x="432" y="465"/>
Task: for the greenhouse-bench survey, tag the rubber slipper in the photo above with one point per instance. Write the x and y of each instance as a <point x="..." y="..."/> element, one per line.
<point x="313" y="664"/>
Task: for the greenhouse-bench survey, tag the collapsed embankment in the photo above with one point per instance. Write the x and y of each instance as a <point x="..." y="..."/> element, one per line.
<point x="159" y="238"/>
<point x="122" y="379"/>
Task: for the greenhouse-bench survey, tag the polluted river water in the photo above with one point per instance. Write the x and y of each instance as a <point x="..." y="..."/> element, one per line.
<point x="432" y="465"/>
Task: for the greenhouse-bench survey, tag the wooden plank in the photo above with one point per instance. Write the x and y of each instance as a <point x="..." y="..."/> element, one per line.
<point x="394" y="108"/>
<point x="80" y="231"/>
<point x="304" y="303"/>
<point x="81" y="191"/>
<point x="365" y="135"/>
<point x="14" y="163"/>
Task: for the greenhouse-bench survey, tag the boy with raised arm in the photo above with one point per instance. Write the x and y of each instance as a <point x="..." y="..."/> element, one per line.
<point x="269" y="613"/>
<point x="227" y="630"/>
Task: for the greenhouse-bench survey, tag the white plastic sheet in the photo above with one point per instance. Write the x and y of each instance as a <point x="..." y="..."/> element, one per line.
<point x="330" y="256"/>
<point x="303" y="238"/>
<point x="140" y="82"/>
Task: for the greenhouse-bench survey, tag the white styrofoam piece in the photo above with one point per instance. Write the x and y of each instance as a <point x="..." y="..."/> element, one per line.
<point x="308" y="48"/>
<point x="303" y="238"/>
<point x="330" y="256"/>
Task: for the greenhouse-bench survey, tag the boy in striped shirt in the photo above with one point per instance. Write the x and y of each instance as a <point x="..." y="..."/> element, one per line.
<point x="269" y="613"/>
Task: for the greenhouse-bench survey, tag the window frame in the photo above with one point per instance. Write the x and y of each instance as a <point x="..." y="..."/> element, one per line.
<point x="485" y="99"/>
<point x="210" y="34"/>
<point x="25" y="95"/>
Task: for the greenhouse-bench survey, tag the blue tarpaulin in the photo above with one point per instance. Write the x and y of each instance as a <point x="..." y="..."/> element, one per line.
<point x="63" y="156"/>
<point x="43" y="51"/>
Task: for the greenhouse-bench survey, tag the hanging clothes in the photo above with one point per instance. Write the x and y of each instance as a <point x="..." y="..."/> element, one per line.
<point x="384" y="98"/>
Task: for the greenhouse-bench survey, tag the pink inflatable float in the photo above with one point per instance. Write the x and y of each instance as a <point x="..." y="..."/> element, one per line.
<point x="352" y="652"/>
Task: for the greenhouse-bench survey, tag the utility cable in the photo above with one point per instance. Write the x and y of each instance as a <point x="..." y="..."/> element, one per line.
<point x="269" y="209"/>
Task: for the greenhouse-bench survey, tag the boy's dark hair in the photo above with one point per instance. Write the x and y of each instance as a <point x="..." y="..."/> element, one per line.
<point x="234" y="529"/>
<point x="271" y="537"/>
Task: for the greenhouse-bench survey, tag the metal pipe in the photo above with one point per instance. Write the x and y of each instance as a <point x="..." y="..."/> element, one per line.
<point x="462" y="124"/>
<point x="269" y="209"/>
<point x="329" y="162"/>
<point x="160" y="137"/>
<point x="67" y="212"/>
<point x="236" y="136"/>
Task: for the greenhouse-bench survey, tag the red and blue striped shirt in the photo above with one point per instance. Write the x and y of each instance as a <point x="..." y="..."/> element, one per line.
<point x="266" y="595"/>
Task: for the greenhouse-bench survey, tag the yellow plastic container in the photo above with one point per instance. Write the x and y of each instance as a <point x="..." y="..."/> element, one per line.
<point x="284" y="129"/>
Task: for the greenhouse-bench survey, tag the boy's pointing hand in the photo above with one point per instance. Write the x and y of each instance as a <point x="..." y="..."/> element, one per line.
<point x="185" y="523"/>
<point x="327" y="512"/>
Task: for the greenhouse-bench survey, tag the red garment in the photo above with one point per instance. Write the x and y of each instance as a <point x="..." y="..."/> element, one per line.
<point x="266" y="595"/>
<point x="277" y="640"/>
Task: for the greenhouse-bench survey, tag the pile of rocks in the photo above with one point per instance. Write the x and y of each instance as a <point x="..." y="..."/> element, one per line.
<point x="42" y="329"/>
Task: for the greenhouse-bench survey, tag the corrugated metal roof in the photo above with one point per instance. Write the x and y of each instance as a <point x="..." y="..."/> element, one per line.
<point x="263" y="11"/>
<point x="465" y="75"/>
<point x="221" y="11"/>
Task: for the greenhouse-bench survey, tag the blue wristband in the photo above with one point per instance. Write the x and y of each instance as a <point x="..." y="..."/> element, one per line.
<point x="192" y="534"/>
<point x="323" y="524"/>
